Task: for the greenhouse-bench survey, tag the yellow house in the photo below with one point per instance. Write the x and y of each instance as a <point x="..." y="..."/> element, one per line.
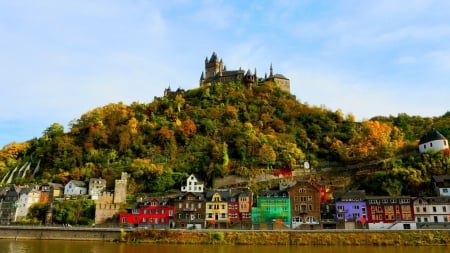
<point x="216" y="211"/>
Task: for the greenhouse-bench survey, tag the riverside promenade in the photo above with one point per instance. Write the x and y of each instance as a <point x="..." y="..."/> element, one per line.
<point x="59" y="233"/>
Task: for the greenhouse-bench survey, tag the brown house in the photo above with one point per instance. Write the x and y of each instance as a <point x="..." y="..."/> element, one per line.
<point x="305" y="205"/>
<point x="190" y="210"/>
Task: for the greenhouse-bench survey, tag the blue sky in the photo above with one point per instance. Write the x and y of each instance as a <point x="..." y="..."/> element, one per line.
<point x="60" y="59"/>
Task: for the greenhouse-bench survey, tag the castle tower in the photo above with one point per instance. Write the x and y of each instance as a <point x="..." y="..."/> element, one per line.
<point x="120" y="189"/>
<point x="213" y="66"/>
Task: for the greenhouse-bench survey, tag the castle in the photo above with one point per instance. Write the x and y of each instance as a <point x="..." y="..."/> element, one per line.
<point x="216" y="72"/>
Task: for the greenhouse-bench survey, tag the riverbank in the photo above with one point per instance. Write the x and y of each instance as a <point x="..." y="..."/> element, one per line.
<point x="233" y="237"/>
<point x="60" y="233"/>
<point x="293" y="237"/>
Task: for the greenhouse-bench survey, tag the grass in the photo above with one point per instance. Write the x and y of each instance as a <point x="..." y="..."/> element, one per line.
<point x="347" y="238"/>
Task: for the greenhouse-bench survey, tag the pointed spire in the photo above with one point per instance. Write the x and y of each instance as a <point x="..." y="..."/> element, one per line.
<point x="202" y="77"/>
<point x="271" y="70"/>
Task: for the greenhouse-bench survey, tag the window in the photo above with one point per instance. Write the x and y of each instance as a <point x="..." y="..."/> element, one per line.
<point x="434" y="209"/>
<point x="444" y="209"/>
<point x="417" y="209"/>
<point x="418" y="219"/>
<point x="431" y="144"/>
<point x="424" y="209"/>
<point x="435" y="218"/>
<point x="297" y="219"/>
<point x="340" y="208"/>
<point x="445" y="190"/>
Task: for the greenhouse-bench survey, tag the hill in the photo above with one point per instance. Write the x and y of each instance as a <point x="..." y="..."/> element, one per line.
<point x="230" y="129"/>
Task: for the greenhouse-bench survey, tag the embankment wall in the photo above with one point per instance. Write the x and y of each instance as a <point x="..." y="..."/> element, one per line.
<point x="59" y="233"/>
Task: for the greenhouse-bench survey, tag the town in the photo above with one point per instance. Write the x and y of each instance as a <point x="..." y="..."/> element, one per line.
<point x="290" y="200"/>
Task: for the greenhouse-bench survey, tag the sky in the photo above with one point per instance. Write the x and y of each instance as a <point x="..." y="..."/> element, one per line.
<point x="60" y="59"/>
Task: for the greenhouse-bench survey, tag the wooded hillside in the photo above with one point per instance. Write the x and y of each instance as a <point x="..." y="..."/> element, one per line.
<point x="222" y="130"/>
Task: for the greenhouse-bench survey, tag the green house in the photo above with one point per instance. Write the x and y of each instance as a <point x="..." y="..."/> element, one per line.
<point x="272" y="207"/>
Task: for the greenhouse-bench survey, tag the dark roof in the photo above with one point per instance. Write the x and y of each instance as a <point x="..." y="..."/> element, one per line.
<point x="432" y="136"/>
<point x="441" y="179"/>
<point x="355" y="195"/>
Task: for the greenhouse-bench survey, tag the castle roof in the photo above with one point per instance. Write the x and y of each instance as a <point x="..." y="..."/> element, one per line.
<point x="433" y="135"/>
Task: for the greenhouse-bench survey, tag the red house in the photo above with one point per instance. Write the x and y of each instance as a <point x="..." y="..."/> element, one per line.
<point x="152" y="214"/>
<point x="386" y="210"/>
<point x="240" y="208"/>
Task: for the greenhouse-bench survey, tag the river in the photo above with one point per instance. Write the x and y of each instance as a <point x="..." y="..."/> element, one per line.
<point x="54" y="246"/>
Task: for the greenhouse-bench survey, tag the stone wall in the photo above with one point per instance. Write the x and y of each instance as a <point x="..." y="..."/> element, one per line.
<point x="59" y="233"/>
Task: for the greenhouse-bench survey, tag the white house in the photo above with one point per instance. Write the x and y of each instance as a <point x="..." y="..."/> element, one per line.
<point x="192" y="185"/>
<point x="433" y="140"/>
<point x="27" y="197"/>
<point x="75" y="187"/>
<point x="432" y="209"/>
<point x="442" y="185"/>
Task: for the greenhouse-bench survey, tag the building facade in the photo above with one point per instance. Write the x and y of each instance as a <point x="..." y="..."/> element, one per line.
<point x="433" y="141"/>
<point x="190" y="210"/>
<point x="272" y="208"/>
<point x="386" y="212"/>
<point x="193" y="185"/>
<point x="216" y="72"/>
<point x="304" y="204"/>
<point x="216" y="207"/>
<point x="431" y="211"/>
<point x="351" y="209"/>
<point x="152" y="214"/>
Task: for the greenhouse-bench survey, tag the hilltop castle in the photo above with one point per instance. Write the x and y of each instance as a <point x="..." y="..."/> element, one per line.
<point x="216" y="72"/>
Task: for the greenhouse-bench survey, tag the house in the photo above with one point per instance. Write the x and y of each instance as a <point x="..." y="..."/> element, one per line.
<point x="50" y="192"/>
<point x="434" y="141"/>
<point x="441" y="185"/>
<point x="96" y="186"/>
<point x="193" y="185"/>
<point x="216" y="207"/>
<point x="351" y="209"/>
<point x="190" y="210"/>
<point x="385" y="212"/>
<point x="27" y="197"/>
<point x="240" y="208"/>
<point x="432" y="212"/>
<point x="75" y="187"/>
<point x="153" y="214"/>
<point x="272" y="210"/>
<point x="8" y="205"/>
<point x="304" y="204"/>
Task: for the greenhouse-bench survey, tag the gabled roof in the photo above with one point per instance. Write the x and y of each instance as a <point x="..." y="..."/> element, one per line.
<point x="432" y="136"/>
<point x="78" y="183"/>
